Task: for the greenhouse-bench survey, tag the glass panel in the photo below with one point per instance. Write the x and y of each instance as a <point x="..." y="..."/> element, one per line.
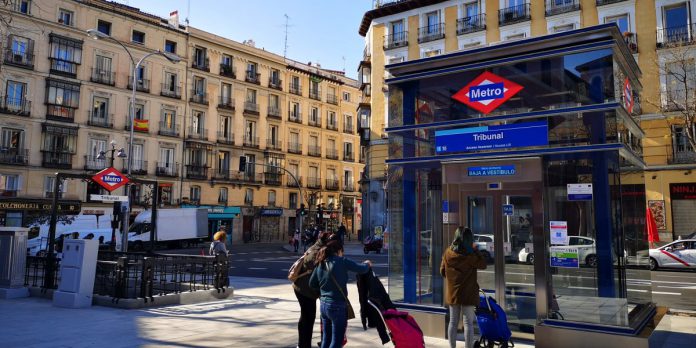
<point x="479" y="217"/>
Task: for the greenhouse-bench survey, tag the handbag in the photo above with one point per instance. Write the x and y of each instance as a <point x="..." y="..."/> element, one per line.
<point x="350" y="313"/>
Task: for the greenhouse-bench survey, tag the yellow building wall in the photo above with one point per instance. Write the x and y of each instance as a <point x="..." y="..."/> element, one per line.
<point x="492" y="25"/>
<point x="538" y="11"/>
<point x="413" y="25"/>
<point x="451" y="29"/>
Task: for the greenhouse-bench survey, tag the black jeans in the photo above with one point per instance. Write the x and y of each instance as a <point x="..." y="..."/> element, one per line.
<point x="305" y="326"/>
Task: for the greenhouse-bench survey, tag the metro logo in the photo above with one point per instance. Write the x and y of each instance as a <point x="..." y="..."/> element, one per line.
<point x="110" y="179"/>
<point x="487" y="92"/>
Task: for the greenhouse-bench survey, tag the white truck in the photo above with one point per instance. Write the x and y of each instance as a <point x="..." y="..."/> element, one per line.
<point x="82" y="224"/>
<point x="175" y="228"/>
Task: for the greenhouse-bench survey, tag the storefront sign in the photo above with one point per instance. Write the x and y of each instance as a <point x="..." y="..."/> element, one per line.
<point x="487" y="92"/>
<point x="492" y="137"/>
<point x="683" y="191"/>
<point x="271" y="212"/>
<point x="110" y="179"/>
<point x="508" y="209"/>
<point x="108" y="198"/>
<point x="43" y="205"/>
<point x="559" y="232"/>
<point x="564" y="257"/>
<point x="491" y="171"/>
<point x="579" y="192"/>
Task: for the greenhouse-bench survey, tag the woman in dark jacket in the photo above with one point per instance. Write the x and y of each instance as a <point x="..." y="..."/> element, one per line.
<point x="330" y="277"/>
<point x="459" y="265"/>
<point x="306" y="296"/>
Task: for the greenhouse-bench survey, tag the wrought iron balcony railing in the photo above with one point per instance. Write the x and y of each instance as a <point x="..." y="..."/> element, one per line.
<point x="252" y="77"/>
<point x="61" y="113"/>
<point x="199" y="97"/>
<point x="15" y="106"/>
<point x="225" y="137"/>
<point x="19" y="58"/>
<point x="295" y="148"/>
<point x="201" y="64"/>
<point x="431" y="32"/>
<point x="14" y="156"/>
<point x="471" y="24"/>
<point x="104" y="77"/>
<point x="676" y="36"/>
<point x="251" y="108"/>
<point x="228" y="71"/>
<point x="225" y="102"/>
<point x="555" y="7"/>
<point x="396" y="40"/>
<point x="514" y="14"/>
<point x="274" y="112"/>
<point x="170" y="91"/>
<point x="167" y="169"/>
<point x="141" y="85"/>
<point x="100" y="119"/>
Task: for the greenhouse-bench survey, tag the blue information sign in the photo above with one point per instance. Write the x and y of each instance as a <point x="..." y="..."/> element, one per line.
<point x="445" y="206"/>
<point x="508" y="209"/>
<point x="492" y="137"/>
<point x="491" y="171"/>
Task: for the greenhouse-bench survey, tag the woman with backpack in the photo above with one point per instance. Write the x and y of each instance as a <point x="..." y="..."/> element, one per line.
<point x="330" y="277"/>
<point x="458" y="267"/>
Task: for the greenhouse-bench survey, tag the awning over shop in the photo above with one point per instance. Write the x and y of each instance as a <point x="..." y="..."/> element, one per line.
<point x="218" y="212"/>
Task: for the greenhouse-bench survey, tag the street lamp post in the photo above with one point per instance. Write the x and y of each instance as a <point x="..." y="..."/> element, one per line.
<point x="173" y="58"/>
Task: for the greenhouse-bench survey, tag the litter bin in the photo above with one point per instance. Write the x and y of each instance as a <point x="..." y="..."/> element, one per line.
<point x="13" y="259"/>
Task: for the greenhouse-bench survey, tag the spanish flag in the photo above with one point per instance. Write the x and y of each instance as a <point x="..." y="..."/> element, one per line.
<point x="141" y="125"/>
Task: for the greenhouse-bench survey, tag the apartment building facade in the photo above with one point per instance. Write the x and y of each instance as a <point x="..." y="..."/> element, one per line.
<point x="658" y="32"/>
<point x="66" y="99"/>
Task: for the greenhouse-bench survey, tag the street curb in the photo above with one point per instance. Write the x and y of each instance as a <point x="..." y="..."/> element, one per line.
<point x="681" y="313"/>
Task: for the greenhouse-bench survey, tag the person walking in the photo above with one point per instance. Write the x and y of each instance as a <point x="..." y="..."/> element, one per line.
<point x="218" y="244"/>
<point x="458" y="267"/>
<point x="296" y="239"/>
<point x="330" y="277"/>
<point x="342" y="233"/>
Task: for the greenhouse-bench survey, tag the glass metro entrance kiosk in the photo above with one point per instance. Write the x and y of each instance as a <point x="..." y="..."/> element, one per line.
<point x="534" y="146"/>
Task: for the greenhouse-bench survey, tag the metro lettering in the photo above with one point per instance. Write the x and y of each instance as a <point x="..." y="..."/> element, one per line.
<point x="487" y="92"/>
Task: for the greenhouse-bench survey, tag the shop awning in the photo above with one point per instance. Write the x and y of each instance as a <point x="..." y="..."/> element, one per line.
<point x="218" y="212"/>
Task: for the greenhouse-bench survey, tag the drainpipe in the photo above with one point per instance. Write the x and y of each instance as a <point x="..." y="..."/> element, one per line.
<point x="186" y="110"/>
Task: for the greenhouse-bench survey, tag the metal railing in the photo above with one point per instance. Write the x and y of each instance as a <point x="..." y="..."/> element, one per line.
<point x="15" y="106"/>
<point x="314" y="183"/>
<point x="607" y="2"/>
<point x="167" y="169"/>
<point x="104" y="77"/>
<point x="471" y="24"/>
<point x="332" y="154"/>
<point x="315" y="93"/>
<point x="251" y="108"/>
<point x="252" y="77"/>
<point x="274" y="111"/>
<point x="141" y="85"/>
<point x="332" y="99"/>
<point x="201" y="64"/>
<point x="293" y="183"/>
<point x="98" y="119"/>
<point x="295" y="148"/>
<point x="676" y="36"/>
<point x="348" y="127"/>
<point x="348" y="157"/>
<point x="198" y="133"/>
<point x="56" y="159"/>
<point x="225" y="137"/>
<point x="195" y="171"/>
<point x="251" y="141"/>
<point x="682" y="154"/>
<point x="295" y="88"/>
<point x="275" y="83"/>
<point x="139" y="167"/>
<point x="431" y="32"/>
<point x="14" y="156"/>
<point x="170" y="91"/>
<point x="60" y="113"/>
<point x="94" y="163"/>
<point x="63" y="67"/>
<point x="295" y="116"/>
<point x="514" y="14"/>
<point x="35" y="272"/>
<point x="9" y="192"/>
<point x="396" y="40"/>
<point x="274" y="144"/>
<point x="18" y="58"/>
<point x="631" y="40"/>
<point x="199" y="97"/>
<point x="314" y="151"/>
<point x="275" y="179"/>
<point x="228" y="70"/>
<point x="332" y="126"/>
<point x="555" y="7"/>
<point x="314" y="121"/>
<point x="168" y="130"/>
<point x="332" y="184"/>
<point x="225" y="102"/>
<point x="348" y="186"/>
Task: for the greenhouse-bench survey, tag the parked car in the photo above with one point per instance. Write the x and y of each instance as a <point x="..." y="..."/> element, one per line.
<point x="485" y="244"/>
<point x="678" y="254"/>
<point x="586" y="251"/>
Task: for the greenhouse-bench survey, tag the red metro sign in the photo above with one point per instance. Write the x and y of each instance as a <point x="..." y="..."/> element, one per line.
<point x="487" y="92"/>
<point x="110" y="179"/>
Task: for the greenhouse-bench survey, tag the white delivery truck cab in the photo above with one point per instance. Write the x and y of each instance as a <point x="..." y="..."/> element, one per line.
<point x="175" y="228"/>
<point x="83" y="224"/>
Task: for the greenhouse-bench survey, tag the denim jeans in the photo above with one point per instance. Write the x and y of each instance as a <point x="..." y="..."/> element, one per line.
<point x="334" y="321"/>
<point x="456" y="313"/>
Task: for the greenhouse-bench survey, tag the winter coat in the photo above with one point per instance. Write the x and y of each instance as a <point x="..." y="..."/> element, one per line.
<point x="301" y="284"/>
<point x="370" y="288"/>
<point x="461" y="283"/>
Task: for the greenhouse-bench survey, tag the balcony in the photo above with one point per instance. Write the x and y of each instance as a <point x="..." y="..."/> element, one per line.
<point x="332" y="126"/>
<point x="332" y="99"/>
<point x="141" y="85"/>
<point x="431" y="32"/>
<point x="63" y="67"/>
<point x="251" y="108"/>
<point x="274" y="145"/>
<point x="295" y="88"/>
<point x="292" y="183"/>
<point x="92" y="163"/>
<point x="348" y="157"/>
<point x="19" y="59"/>
<point x="169" y="130"/>
<point x="275" y="179"/>
<point x="197" y="133"/>
<point x="104" y="77"/>
<point x="332" y="184"/>
<point x="295" y="117"/>
<point x="361" y="159"/>
<point x="199" y="97"/>
<point x="348" y="128"/>
<point x="201" y="63"/>
<point x="555" y="7"/>
<point x="251" y="142"/>
<point x="225" y="137"/>
<point x="275" y="83"/>
<point x="514" y="14"/>
<point x="682" y="154"/>
<point x="99" y="119"/>
<point x="348" y="186"/>
<point x="631" y="40"/>
<point x="295" y="148"/>
<point x="226" y="103"/>
<point x="14" y="156"/>
<point x="396" y="40"/>
<point x="61" y="113"/>
<point x="315" y="93"/>
<point x="314" y="121"/>
<point x="676" y="36"/>
<point x="165" y="169"/>
<point x="274" y="112"/>
<point x="252" y="77"/>
<point x="171" y="91"/>
<point x="331" y="154"/>
<point x="56" y="159"/>
<point x="677" y="99"/>
<point x="607" y="2"/>
<point x="314" y="183"/>
<point x="139" y="167"/>
<point x="15" y="106"/>
<point x="314" y="151"/>
<point x="222" y="174"/>
<point x="197" y="172"/>
<point x="228" y="71"/>
<point x="471" y="24"/>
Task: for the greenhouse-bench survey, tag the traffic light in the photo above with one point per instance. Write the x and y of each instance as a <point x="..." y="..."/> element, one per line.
<point x="303" y="212"/>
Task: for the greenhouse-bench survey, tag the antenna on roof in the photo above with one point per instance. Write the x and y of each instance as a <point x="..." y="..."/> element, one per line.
<point x="188" y="12"/>
<point x="344" y="63"/>
<point x="287" y="25"/>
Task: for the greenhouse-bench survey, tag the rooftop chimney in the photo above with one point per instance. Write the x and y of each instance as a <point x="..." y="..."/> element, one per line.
<point x="174" y="19"/>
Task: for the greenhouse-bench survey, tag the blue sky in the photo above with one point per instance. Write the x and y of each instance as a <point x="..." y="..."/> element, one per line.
<point x="323" y="31"/>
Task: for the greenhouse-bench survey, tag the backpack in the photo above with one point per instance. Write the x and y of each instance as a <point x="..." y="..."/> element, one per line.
<point x="297" y="269"/>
